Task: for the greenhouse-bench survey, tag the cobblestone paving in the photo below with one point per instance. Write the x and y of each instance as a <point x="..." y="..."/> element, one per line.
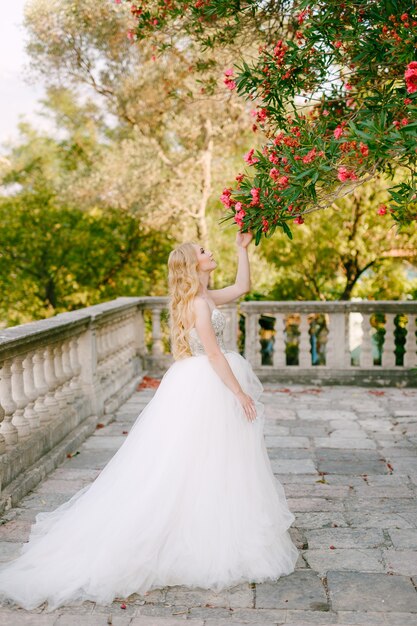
<point x="347" y="458"/>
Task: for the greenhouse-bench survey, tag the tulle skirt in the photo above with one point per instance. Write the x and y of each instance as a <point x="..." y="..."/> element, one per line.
<point x="188" y="499"/>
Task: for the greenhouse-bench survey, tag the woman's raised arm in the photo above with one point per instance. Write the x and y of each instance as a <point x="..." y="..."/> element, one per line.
<point x="242" y="283"/>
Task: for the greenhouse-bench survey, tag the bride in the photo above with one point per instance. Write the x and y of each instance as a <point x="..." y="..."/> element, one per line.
<point x="190" y="497"/>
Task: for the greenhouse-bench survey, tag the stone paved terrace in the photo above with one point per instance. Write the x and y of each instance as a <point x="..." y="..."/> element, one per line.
<point x="347" y="457"/>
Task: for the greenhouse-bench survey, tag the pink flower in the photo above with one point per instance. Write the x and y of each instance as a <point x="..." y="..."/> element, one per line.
<point x="410" y="76"/>
<point x="364" y="149"/>
<point x="255" y="195"/>
<point x="338" y="132"/>
<point x="338" y="44"/>
<point x="382" y="209"/>
<point x="404" y="121"/>
<point x="226" y="199"/>
<point x="117" y="1"/>
<point x="344" y="174"/>
<point x="230" y="84"/>
<point x="228" y="72"/>
<point x="249" y="158"/>
<point x="238" y="207"/>
<point x="298" y="220"/>
<point x="310" y="156"/>
<point x="131" y="34"/>
<point x="274" y="173"/>
<point x="283" y="182"/>
<point x="265" y="224"/>
<point x="240" y="177"/>
<point x="326" y="113"/>
<point x="348" y="86"/>
<point x="407" y="101"/>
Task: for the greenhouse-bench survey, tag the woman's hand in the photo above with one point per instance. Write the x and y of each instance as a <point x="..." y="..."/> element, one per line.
<point x="243" y="239"/>
<point x="248" y="405"/>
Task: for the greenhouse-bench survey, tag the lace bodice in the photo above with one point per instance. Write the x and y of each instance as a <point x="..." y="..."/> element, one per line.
<point x="218" y="321"/>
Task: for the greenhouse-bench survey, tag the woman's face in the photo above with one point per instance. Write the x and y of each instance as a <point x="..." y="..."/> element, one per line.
<point x="206" y="263"/>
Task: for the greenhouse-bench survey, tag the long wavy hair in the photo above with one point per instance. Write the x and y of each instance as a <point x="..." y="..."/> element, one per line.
<point x="183" y="286"/>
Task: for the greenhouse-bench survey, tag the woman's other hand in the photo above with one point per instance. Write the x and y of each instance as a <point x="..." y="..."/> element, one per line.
<point x="248" y="405"/>
<point x="243" y="239"/>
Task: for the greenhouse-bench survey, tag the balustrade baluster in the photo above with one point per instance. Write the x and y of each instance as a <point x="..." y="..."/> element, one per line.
<point x="75" y="383"/>
<point x="366" y="359"/>
<point x="7" y="428"/>
<point x="304" y="346"/>
<point x="41" y="406"/>
<point x="20" y="399"/>
<point x="157" y="345"/>
<point x="410" y="356"/>
<point x="31" y="392"/>
<point x="60" y="394"/>
<point x="252" y="342"/>
<point x="279" y="355"/>
<point x="337" y="346"/>
<point x="51" y="380"/>
<point x="388" y="354"/>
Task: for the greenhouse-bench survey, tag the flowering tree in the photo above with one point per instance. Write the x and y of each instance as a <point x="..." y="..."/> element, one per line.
<point x="334" y="90"/>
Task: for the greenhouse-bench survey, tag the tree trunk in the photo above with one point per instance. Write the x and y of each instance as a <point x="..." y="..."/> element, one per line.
<point x="206" y="162"/>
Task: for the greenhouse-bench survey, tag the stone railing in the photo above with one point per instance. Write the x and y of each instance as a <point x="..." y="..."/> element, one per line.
<point x="372" y="342"/>
<point x="61" y="376"/>
<point x="58" y="378"/>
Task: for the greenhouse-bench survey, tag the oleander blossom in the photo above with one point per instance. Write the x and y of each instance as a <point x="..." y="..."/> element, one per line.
<point x="344" y="174"/>
<point x="410" y="76"/>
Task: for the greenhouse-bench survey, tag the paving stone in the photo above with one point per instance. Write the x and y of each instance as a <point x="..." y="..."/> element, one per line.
<point x="14" y="618"/>
<point x="16" y="530"/>
<point x="326" y="414"/>
<point x="9" y="550"/>
<point x="350" y="559"/>
<point x="287" y="442"/>
<point x="143" y="620"/>
<point x="299" y="466"/>
<point x="114" y="429"/>
<point x="368" y="491"/>
<point x="43" y="501"/>
<point x="320" y="520"/>
<point x="301" y="590"/>
<point x="104" y="443"/>
<point x="257" y="616"/>
<point x="343" y="467"/>
<point x="373" y="618"/>
<point x="406" y="538"/>
<point x="317" y="491"/>
<point x="343" y="442"/>
<point x="90" y="459"/>
<point x="378" y="520"/>
<point x="311" y="617"/>
<point x="74" y="473"/>
<point x="60" y="486"/>
<point x="345" y="538"/>
<point x="314" y="504"/>
<point x="238" y="596"/>
<point x="401" y="561"/>
<point x="371" y="592"/>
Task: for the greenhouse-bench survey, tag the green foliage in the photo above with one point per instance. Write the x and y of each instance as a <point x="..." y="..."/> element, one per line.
<point x="56" y="259"/>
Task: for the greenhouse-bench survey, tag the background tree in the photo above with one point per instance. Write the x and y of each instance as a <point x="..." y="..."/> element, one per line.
<point x="351" y="253"/>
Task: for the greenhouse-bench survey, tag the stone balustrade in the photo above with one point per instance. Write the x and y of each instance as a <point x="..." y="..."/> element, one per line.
<point x="365" y="342"/>
<point x="60" y="377"/>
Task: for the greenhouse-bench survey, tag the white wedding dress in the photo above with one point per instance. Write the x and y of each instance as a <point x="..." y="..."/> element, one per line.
<point x="188" y="499"/>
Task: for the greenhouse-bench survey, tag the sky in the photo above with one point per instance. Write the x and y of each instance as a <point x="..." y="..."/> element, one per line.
<point x="17" y="97"/>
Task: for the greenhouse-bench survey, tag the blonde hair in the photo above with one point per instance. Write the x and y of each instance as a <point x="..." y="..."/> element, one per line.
<point x="183" y="286"/>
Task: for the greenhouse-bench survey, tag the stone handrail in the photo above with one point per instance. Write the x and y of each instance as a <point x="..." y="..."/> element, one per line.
<point x="349" y="351"/>
<point x="60" y="376"/>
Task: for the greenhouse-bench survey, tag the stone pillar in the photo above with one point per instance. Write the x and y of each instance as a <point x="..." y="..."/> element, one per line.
<point x="304" y="347"/>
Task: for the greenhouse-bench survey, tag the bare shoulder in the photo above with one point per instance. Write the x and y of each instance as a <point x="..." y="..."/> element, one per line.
<point x="201" y="306"/>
